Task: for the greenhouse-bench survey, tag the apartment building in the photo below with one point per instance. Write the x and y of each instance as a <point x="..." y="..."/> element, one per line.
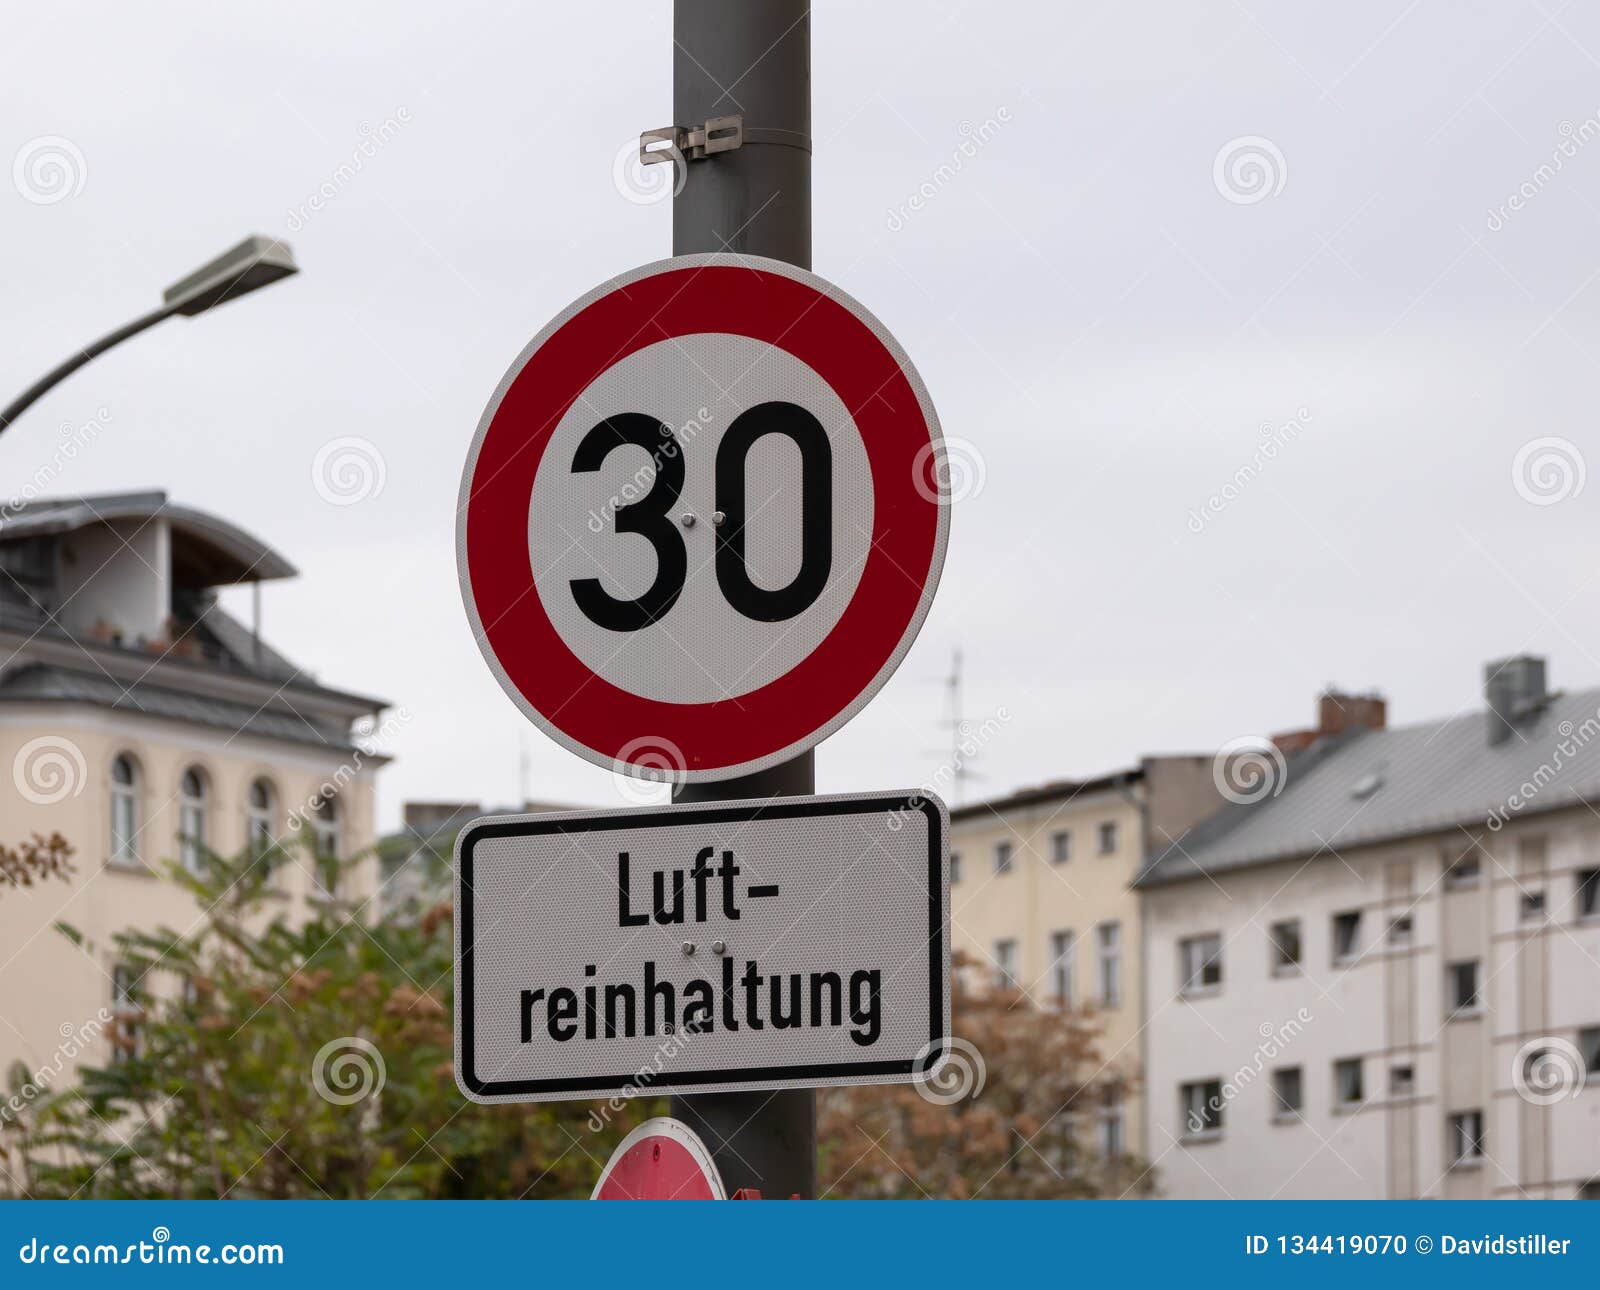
<point x="1380" y="976"/>
<point x="415" y="860"/>
<point x="142" y="722"/>
<point x="1041" y="899"/>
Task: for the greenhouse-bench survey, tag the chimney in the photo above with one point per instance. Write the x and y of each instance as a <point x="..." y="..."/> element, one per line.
<point x="1337" y="712"/>
<point x="1513" y="688"/>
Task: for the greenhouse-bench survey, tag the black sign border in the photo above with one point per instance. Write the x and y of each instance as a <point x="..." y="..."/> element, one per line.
<point x="763" y="809"/>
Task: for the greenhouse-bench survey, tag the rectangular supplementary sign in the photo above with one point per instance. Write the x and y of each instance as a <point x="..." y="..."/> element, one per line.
<point x="764" y="944"/>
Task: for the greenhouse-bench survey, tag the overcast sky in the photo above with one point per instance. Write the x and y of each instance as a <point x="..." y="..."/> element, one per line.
<point x="1179" y="233"/>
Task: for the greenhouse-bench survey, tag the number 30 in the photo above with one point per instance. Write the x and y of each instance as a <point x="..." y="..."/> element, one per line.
<point x="650" y="517"/>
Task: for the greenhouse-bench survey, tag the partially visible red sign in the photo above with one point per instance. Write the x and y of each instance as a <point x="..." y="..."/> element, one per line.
<point x="663" y="1159"/>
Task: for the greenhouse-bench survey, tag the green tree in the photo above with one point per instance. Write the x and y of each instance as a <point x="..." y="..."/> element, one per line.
<point x="264" y="1059"/>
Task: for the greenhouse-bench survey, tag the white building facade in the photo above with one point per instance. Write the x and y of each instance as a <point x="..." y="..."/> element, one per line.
<point x="1382" y="979"/>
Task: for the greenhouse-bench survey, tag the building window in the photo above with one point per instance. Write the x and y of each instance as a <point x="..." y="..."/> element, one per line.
<point x="325" y="836"/>
<point x="1464" y="871"/>
<point x="1061" y="846"/>
<point x="1461" y="983"/>
<point x="1108" y="943"/>
<point x="1111" y="1141"/>
<point x="261" y="821"/>
<point x="1200" y="963"/>
<point x="124" y="810"/>
<point x="125" y="1014"/>
<point x="192" y="818"/>
<point x="955" y="867"/>
<point x="1288" y="1093"/>
<point x="1589" y="1046"/>
<point x="1402" y="1081"/>
<point x="1202" y="1109"/>
<point x="1346" y="936"/>
<point x="1108" y="837"/>
<point x="1347" y="1084"/>
<point x="1533" y="904"/>
<point x="1285" y="940"/>
<point x="1005" y="964"/>
<point x="1400" y="930"/>
<point x="1003" y="852"/>
<point x="1465" y="1146"/>
<point x="1063" y="949"/>
<point x="1588" y="893"/>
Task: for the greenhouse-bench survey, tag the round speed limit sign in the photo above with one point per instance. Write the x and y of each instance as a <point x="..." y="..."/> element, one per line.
<point x="703" y="517"/>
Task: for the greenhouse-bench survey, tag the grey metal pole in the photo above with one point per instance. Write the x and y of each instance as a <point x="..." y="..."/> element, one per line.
<point x="751" y="57"/>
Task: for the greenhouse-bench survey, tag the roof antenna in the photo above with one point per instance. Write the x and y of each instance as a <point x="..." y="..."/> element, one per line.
<point x="955" y="722"/>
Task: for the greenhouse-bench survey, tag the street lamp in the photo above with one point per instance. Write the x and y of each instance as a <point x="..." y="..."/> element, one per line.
<point x="256" y="262"/>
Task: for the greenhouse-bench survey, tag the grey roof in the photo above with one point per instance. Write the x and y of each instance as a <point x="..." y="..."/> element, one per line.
<point x="220" y="552"/>
<point x="281" y="720"/>
<point x="1429" y="778"/>
<point x="1056" y="790"/>
<point x="241" y="646"/>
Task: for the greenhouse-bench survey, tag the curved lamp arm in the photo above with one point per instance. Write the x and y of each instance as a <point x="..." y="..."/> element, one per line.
<point x="254" y="263"/>
<point x="29" y="396"/>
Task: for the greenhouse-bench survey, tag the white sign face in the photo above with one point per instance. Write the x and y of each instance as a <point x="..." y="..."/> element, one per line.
<point x="773" y="943"/>
<point x="703" y="518"/>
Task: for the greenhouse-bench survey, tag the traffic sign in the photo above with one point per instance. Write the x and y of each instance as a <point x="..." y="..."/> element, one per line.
<point x="663" y="1159"/>
<point x="788" y="942"/>
<point x="703" y="517"/>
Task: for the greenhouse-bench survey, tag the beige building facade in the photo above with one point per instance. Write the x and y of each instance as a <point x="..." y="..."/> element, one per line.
<point x="1041" y="898"/>
<point x="141" y="722"/>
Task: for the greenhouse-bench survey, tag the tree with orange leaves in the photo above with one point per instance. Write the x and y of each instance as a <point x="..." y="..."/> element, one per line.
<point x="1014" y="1112"/>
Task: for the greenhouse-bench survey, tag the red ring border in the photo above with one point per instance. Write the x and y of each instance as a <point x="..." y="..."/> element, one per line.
<point x="516" y="632"/>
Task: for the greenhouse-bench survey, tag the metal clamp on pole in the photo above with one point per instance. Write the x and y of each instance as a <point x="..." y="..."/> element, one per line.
<point x="691" y="143"/>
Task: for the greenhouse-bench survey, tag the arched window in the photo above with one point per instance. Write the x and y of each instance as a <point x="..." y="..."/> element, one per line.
<point x="124" y="810"/>
<point x="325" y="831"/>
<point x="261" y="823"/>
<point x="192" y="818"/>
